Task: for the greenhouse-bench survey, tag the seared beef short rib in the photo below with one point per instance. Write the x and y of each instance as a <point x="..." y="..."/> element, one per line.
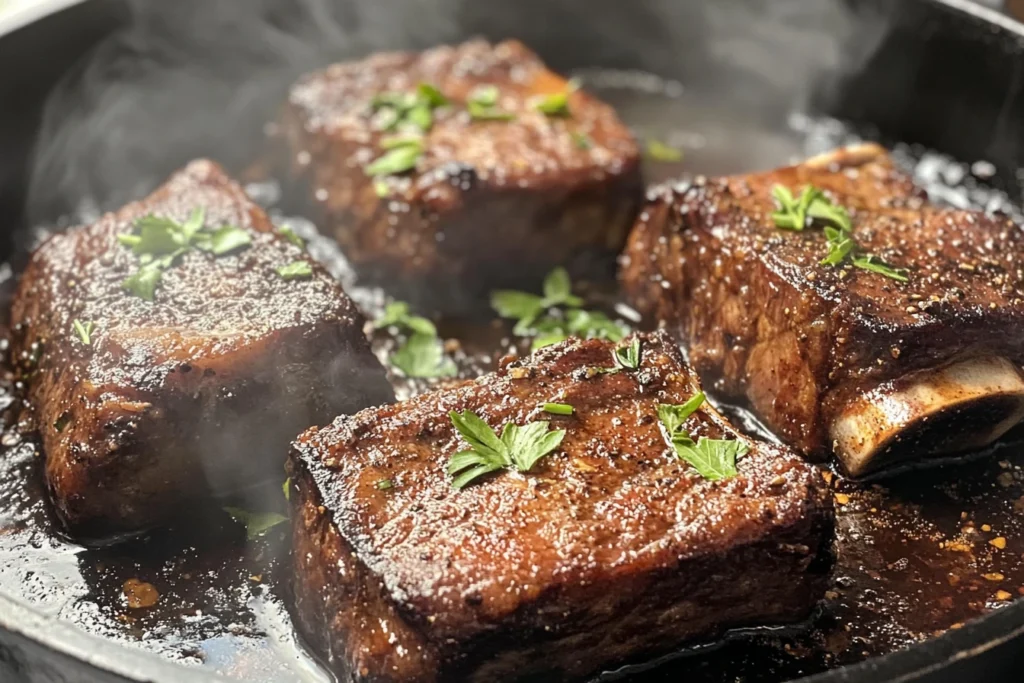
<point x="501" y="193"/>
<point x="838" y="357"/>
<point x="200" y="389"/>
<point x="611" y="548"/>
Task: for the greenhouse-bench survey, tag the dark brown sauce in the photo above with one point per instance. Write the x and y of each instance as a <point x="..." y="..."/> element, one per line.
<point x="918" y="554"/>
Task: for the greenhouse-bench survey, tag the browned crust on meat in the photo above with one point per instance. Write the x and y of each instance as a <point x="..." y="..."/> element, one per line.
<point x="765" y="321"/>
<point x="491" y="203"/>
<point x="200" y="389"/>
<point x="612" y="549"/>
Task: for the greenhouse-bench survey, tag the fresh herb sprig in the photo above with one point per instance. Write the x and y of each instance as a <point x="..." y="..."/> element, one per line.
<point x="554" y="316"/>
<point x="660" y="151"/>
<point x="558" y="408"/>
<point x="557" y="104"/>
<point x="412" y="114"/>
<point x="84" y="330"/>
<point x="256" y="523"/>
<point x="794" y="213"/>
<point x="518" y="447"/>
<point x="714" y="459"/>
<point x="482" y="105"/>
<point x="421" y="355"/>
<point x="296" y="270"/>
<point x="160" y="241"/>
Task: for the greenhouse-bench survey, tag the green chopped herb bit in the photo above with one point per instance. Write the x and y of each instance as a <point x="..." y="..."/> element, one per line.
<point x="482" y="105"/>
<point x="581" y="140"/>
<point x="483" y="95"/>
<point x="422" y="356"/>
<point x="628" y="357"/>
<point x="543" y="318"/>
<point x="714" y="459"/>
<point x="159" y="241"/>
<point x="290" y="235"/>
<point x="557" y="104"/>
<point x="381" y="188"/>
<point x="431" y="95"/>
<point x="84" y="330"/>
<point x="286" y="488"/>
<point x="396" y="314"/>
<point x="384" y="484"/>
<point x="395" y="161"/>
<point x="793" y="213"/>
<point x="659" y="151"/>
<point x="519" y="447"/>
<point x="295" y="270"/>
<point x="256" y="523"/>
<point x="558" y="408"/>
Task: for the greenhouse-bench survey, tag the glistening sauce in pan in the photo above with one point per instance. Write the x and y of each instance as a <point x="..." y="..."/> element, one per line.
<point x="917" y="554"/>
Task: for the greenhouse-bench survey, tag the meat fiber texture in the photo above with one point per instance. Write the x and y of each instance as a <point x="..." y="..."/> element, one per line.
<point x="196" y="392"/>
<point x="609" y="550"/>
<point x="490" y="203"/>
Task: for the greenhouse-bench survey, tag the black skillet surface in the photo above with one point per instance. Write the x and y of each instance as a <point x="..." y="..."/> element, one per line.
<point x="941" y="74"/>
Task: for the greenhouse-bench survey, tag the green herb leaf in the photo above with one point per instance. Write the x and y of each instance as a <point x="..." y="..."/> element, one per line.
<point x="295" y="270"/>
<point x="547" y="339"/>
<point x="558" y="408"/>
<point x="396" y="141"/>
<point x="422" y="356"/>
<point x="792" y="213"/>
<point x="381" y="187"/>
<point x="431" y="95"/>
<point x="421" y="117"/>
<point x="659" y="151"/>
<point x="509" y="303"/>
<point x="290" y="235"/>
<point x="398" y="160"/>
<point x="519" y="447"/>
<point x="481" y="113"/>
<point x="555" y="104"/>
<point x="396" y="314"/>
<point x="384" y="484"/>
<point x="714" y="459"/>
<point x="144" y="282"/>
<point x="286" y="488"/>
<point x="84" y="330"/>
<point x="558" y="290"/>
<point x="226" y="238"/>
<point x="157" y="236"/>
<point x="484" y="96"/>
<point x="581" y="140"/>
<point x="673" y="416"/>
<point x="628" y="357"/>
<point x="193" y="225"/>
<point x="594" y="325"/>
<point x="869" y="262"/>
<point x="256" y="523"/>
<point x="840" y="244"/>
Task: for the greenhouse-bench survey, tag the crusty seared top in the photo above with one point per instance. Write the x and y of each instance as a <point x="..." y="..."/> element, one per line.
<point x="613" y="498"/>
<point x="534" y="149"/>
<point x="961" y="263"/>
<point x="205" y="308"/>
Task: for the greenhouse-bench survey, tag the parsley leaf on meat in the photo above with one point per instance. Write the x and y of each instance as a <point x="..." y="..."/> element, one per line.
<point x="256" y="523"/>
<point x="295" y="270"/>
<point x="714" y="459"/>
<point x="84" y="330"/>
<point x="519" y="447"/>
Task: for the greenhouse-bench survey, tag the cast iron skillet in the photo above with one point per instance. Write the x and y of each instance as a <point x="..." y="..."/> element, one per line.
<point x="943" y="73"/>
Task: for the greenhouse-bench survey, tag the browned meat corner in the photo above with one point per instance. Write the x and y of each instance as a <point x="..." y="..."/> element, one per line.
<point x="200" y="389"/>
<point x="840" y="357"/>
<point x="611" y="549"/>
<point x="490" y="203"/>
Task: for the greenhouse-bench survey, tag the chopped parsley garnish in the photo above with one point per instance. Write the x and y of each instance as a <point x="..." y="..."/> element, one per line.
<point x="286" y="488"/>
<point x="581" y="140"/>
<point x="714" y="459"/>
<point x="628" y="357"/>
<point x="558" y="408"/>
<point x="381" y="188"/>
<point x="793" y="214"/>
<point x="431" y="95"/>
<point x="256" y="523"/>
<point x="659" y="151"/>
<point x="290" y="235"/>
<point x="402" y="155"/>
<point x="84" y="330"/>
<point x="295" y="270"/>
<point x="159" y="241"/>
<point x="519" y="447"/>
<point x="557" y="104"/>
<point x="421" y="355"/>
<point x="482" y="105"/>
<point x="554" y="316"/>
<point x="384" y="484"/>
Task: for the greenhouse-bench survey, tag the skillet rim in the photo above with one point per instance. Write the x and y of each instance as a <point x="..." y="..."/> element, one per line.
<point x="106" y="656"/>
